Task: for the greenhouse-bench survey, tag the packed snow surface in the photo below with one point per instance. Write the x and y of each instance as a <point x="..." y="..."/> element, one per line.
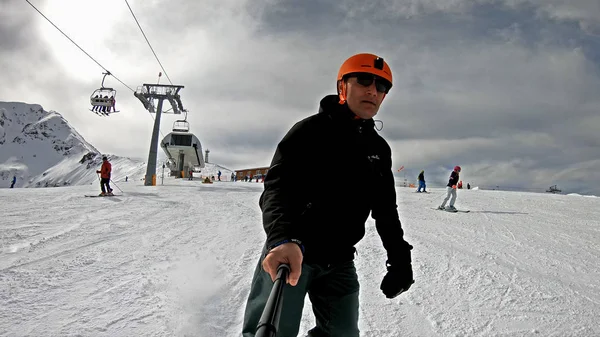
<point x="177" y="260"/>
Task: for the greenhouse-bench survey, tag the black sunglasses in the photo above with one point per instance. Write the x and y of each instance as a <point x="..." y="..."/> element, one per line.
<point x="366" y="79"/>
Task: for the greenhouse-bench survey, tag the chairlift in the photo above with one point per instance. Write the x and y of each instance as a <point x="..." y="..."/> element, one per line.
<point x="181" y="126"/>
<point x="103" y="99"/>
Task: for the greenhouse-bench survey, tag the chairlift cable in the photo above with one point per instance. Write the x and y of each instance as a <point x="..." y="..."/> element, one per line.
<point x="152" y="49"/>
<point x="63" y="33"/>
<point x="98" y="63"/>
<point x="153" y="52"/>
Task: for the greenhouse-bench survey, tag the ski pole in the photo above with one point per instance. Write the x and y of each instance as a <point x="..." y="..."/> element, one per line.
<point x="269" y="320"/>
<point x="117" y="186"/>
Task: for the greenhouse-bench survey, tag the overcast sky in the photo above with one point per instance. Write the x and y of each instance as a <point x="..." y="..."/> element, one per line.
<point x="508" y="89"/>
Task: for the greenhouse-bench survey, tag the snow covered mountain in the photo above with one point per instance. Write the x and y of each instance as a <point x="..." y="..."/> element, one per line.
<point x="42" y="149"/>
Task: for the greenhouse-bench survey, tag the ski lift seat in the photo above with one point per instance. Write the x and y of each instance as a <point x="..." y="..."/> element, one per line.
<point x="102" y="97"/>
<point x="181" y="126"/>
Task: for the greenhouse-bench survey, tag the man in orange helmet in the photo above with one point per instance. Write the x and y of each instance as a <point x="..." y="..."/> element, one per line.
<point x="313" y="225"/>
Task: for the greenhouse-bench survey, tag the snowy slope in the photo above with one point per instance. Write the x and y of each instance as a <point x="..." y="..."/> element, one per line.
<point x="32" y="140"/>
<point x="82" y="171"/>
<point x="211" y="169"/>
<point x="177" y="260"/>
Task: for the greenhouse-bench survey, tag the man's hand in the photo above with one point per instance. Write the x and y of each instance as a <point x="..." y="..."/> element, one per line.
<point x="397" y="280"/>
<point x="289" y="253"/>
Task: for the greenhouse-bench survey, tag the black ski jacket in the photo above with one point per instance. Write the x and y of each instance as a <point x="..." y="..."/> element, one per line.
<point x="421" y="177"/>
<point x="453" y="179"/>
<point x="329" y="172"/>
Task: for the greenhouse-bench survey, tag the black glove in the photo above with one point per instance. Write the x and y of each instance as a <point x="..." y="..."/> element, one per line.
<point x="397" y="280"/>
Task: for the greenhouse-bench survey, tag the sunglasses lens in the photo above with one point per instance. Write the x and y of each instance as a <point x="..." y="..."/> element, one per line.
<point x="381" y="87"/>
<point x="368" y="79"/>
<point x="365" y="80"/>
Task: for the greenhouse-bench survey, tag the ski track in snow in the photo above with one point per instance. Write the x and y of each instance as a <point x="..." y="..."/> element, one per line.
<point x="177" y="260"/>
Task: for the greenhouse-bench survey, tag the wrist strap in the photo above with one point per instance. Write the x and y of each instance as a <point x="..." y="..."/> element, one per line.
<point x="296" y="241"/>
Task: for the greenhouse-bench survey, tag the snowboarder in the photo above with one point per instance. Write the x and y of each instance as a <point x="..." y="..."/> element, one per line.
<point x="421" y="179"/>
<point x="105" y="171"/>
<point x="14" y="180"/>
<point x="451" y="190"/>
<point x="314" y="227"/>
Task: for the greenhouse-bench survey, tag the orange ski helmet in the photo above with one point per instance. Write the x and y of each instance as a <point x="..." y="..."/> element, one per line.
<point x="364" y="63"/>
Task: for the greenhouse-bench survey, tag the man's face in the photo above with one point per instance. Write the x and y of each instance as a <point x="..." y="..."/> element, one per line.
<point x="364" y="94"/>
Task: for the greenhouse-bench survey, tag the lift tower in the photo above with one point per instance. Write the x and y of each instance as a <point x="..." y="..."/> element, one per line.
<point x="148" y="94"/>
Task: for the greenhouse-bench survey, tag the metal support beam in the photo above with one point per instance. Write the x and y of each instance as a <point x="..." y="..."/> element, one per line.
<point x="151" y="168"/>
<point x="147" y="94"/>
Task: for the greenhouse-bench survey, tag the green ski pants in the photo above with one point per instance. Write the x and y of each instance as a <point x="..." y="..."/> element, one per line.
<point x="332" y="289"/>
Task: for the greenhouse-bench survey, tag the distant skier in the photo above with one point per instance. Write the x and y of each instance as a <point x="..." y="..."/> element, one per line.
<point x="421" y="179"/>
<point x="232" y="176"/>
<point x="451" y="190"/>
<point x="105" y="171"/>
<point x="219" y="175"/>
<point x="468" y="186"/>
<point x="14" y="180"/>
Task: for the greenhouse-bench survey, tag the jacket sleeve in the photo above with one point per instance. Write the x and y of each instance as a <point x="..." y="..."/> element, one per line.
<point x="453" y="179"/>
<point x="277" y="202"/>
<point x="387" y="220"/>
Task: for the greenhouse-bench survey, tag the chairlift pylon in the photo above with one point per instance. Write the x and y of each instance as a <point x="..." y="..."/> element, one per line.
<point x="103" y="99"/>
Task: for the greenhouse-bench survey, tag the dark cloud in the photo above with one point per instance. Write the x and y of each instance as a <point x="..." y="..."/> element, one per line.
<point x="15" y="30"/>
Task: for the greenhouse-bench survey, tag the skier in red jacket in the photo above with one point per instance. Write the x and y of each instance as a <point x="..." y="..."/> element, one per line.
<point x="105" y="171"/>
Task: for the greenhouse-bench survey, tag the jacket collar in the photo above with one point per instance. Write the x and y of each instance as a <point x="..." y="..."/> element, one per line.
<point x="341" y="114"/>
